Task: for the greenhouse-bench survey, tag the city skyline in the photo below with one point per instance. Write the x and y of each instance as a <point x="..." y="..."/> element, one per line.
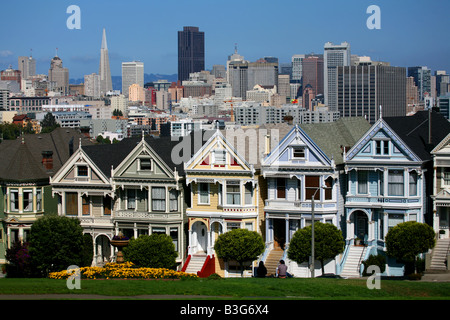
<point x="147" y="32"/>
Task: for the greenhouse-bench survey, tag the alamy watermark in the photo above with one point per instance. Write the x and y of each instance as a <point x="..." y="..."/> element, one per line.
<point x="74" y="20"/>
<point x="74" y="280"/>
<point x="374" y="281"/>
<point x="374" y="20"/>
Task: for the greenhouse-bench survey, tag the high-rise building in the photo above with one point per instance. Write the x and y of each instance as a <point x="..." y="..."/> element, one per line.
<point x="238" y="77"/>
<point x="27" y="65"/>
<point x="132" y="72"/>
<point x="60" y="75"/>
<point x="104" y="71"/>
<point x="442" y="83"/>
<point x="92" y="85"/>
<point x="422" y="79"/>
<point x="297" y="73"/>
<point x="191" y="52"/>
<point x="335" y="55"/>
<point x="362" y="89"/>
<point x="263" y="73"/>
<point x="312" y="68"/>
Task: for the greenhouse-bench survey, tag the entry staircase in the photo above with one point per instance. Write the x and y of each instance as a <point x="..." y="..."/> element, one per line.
<point x="272" y="260"/>
<point x="196" y="263"/>
<point x="353" y="262"/>
<point x="439" y="255"/>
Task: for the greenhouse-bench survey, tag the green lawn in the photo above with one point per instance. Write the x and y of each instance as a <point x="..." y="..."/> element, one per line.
<point x="251" y="288"/>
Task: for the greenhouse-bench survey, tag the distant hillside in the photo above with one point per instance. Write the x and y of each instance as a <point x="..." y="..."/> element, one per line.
<point x="117" y="80"/>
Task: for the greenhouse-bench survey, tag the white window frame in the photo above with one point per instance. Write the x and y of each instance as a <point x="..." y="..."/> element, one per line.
<point x="140" y="164"/>
<point x="199" y="197"/>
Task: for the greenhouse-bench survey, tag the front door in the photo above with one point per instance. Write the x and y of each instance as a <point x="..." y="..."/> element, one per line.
<point x="362" y="226"/>
<point x="279" y="233"/>
<point x="200" y="235"/>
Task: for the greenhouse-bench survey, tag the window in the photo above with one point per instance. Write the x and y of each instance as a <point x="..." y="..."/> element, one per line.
<point x="299" y="189"/>
<point x="85" y="205"/>
<point x="159" y="199"/>
<point x="219" y="156"/>
<point x="298" y="152"/>
<point x="38" y="199"/>
<point x="28" y="200"/>
<point x="446" y="175"/>
<point x="395" y="183"/>
<point x="131" y="199"/>
<point x="14" y="200"/>
<point x="413" y="183"/>
<point x="233" y="225"/>
<point x="281" y="188"/>
<point x="173" y="200"/>
<point x="312" y="183"/>
<point x="233" y="194"/>
<point x="158" y="230"/>
<point x="174" y="236"/>
<point x="203" y="193"/>
<point x="248" y="193"/>
<point x="382" y="147"/>
<point x="82" y="171"/>
<point x="363" y="182"/>
<point x="329" y="188"/>
<point x="145" y="164"/>
<point x="394" y="219"/>
<point x="71" y="203"/>
<point x="107" y="206"/>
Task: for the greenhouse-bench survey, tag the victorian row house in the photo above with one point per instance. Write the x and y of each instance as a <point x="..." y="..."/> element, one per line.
<point x="131" y="187"/>
<point x="26" y="165"/>
<point x="363" y="179"/>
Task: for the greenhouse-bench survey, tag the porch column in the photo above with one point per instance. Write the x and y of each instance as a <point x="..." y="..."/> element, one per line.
<point x="385" y="224"/>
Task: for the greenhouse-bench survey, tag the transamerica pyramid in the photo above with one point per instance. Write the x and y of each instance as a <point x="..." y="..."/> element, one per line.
<point x="104" y="71"/>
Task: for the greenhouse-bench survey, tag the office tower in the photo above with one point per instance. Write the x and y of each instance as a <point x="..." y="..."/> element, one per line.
<point x="297" y="60"/>
<point x="92" y="85"/>
<point x="238" y="78"/>
<point x="132" y="72"/>
<point x="58" y="74"/>
<point x="284" y="87"/>
<point x="235" y="58"/>
<point x="333" y="57"/>
<point x="312" y="69"/>
<point x="422" y="79"/>
<point x="412" y="95"/>
<point x="442" y="83"/>
<point x="218" y="70"/>
<point x="191" y="52"/>
<point x="363" y="88"/>
<point x="27" y="66"/>
<point x="263" y="73"/>
<point x="104" y="71"/>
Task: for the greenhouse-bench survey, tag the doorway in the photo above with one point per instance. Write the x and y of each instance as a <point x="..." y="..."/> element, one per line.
<point x="361" y="226"/>
<point x="279" y="233"/>
<point x="199" y="235"/>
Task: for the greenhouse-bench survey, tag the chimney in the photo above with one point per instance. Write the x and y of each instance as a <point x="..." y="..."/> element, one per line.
<point x="47" y="159"/>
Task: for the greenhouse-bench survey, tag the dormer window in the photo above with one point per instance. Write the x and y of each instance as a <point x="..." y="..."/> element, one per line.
<point x="82" y="171"/>
<point x="145" y="164"/>
<point x="382" y="147"/>
<point x="298" y="152"/>
<point x="219" y="156"/>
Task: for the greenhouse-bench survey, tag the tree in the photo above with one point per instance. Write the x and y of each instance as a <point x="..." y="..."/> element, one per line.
<point x="151" y="251"/>
<point x="239" y="245"/>
<point x="407" y="240"/>
<point x="117" y="113"/>
<point x="328" y="243"/>
<point x="49" y="123"/>
<point x="55" y="243"/>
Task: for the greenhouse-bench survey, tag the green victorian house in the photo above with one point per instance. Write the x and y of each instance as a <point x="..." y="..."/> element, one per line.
<point x="26" y="165"/>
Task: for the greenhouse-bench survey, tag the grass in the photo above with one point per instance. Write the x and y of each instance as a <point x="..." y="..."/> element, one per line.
<point x="249" y="288"/>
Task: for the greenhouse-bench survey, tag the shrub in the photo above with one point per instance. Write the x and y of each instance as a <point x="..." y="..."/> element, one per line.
<point x="374" y="260"/>
<point x="19" y="261"/>
<point x="88" y="251"/>
<point x="55" y="243"/>
<point x="154" y="251"/>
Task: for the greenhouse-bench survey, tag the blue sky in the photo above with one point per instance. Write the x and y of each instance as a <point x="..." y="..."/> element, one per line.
<point x="412" y="32"/>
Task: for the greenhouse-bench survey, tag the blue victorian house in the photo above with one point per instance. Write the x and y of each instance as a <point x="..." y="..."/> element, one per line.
<point x="388" y="177"/>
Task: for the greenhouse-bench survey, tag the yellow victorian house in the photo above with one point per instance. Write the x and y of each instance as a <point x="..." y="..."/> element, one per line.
<point x="225" y="195"/>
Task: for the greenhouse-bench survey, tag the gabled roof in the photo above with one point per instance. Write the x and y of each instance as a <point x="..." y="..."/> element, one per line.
<point x="333" y="137"/>
<point x="21" y="159"/>
<point x="414" y="131"/>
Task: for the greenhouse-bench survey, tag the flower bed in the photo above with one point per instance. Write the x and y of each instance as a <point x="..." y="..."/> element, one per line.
<point x="123" y="271"/>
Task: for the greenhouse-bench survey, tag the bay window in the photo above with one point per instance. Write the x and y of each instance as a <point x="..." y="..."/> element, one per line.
<point x="395" y="183"/>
